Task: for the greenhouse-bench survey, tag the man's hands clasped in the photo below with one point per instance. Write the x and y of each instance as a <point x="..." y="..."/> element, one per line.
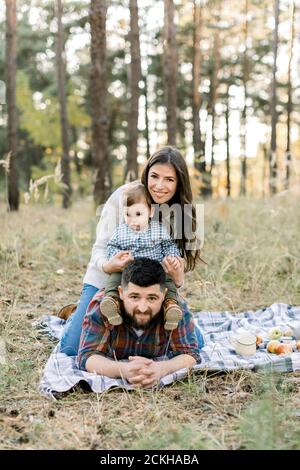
<point x="142" y="372"/>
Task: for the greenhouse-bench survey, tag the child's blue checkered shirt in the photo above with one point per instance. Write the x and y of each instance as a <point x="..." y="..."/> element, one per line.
<point x="154" y="243"/>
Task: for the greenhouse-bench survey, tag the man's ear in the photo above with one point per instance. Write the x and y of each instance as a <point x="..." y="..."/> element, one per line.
<point x="165" y="293"/>
<point x="120" y="290"/>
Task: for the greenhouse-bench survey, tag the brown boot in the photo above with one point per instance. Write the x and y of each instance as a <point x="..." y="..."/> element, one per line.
<point x="173" y="314"/>
<point x="110" y="308"/>
<point x="67" y="311"/>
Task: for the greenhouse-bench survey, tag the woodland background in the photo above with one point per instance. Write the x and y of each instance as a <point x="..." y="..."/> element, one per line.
<point x="91" y="93"/>
<point x="93" y="89"/>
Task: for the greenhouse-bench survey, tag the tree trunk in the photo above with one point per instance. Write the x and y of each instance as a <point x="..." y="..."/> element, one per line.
<point x="11" y="71"/>
<point x="214" y="83"/>
<point x="99" y="100"/>
<point x="170" y="70"/>
<point x="214" y="87"/>
<point x="146" y="116"/>
<point x="290" y="102"/>
<point x="272" y="155"/>
<point x="199" y="160"/>
<point x="76" y="158"/>
<point x="64" y="125"/>
<point x="135" y="76"/>
<point x="228" y="182"/>
<point x="243" y="186"/>
<point x="265" y="170"/>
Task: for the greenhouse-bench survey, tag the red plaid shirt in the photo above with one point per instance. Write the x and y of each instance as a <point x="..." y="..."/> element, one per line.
<point x="119" y="342"/>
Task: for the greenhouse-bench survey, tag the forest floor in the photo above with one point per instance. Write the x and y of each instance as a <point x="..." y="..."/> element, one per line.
<point x="252" y="248"/>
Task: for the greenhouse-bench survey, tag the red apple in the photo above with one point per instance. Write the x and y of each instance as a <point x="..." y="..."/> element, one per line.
<point x="283" y="348"/>
<point x="271" y="346"/>
<point x="259" y="340"/>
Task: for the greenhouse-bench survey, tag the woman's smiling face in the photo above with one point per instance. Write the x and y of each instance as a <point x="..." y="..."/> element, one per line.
<point x="162" y="182"/>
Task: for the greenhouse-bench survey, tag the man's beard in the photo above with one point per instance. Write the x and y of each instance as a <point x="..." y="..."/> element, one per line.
<point x="133" y="322"/>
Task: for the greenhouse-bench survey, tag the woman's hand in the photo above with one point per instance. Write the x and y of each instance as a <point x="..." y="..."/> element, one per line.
<point x="174" y="267"/>
<point x="118" y="262"/>
<point x="174" y="262"/>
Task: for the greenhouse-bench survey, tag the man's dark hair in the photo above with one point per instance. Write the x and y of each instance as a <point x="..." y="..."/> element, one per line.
<point x="144" y="272"/>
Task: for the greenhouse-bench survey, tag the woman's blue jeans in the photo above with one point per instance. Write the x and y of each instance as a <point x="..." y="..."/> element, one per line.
<point x="69" y="342"/>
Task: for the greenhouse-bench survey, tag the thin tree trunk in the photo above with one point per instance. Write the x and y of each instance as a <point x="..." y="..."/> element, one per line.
<point x="243" y="187"/>
<point x="199" y="160"/>
<point x="265" y="170"/>
<point x="273" y="155"/>
<point x="64" y="125"/>
<point x="146" y="116"/>
<point x="214" y="83"/>
<point x="213" y="137"/>
<point x="99" y="100"/>
<point x="76" y="158"/>
<point x="228" y="182"/>
<point x="170" y="70"/>
<point x="135" y="76"/>
<point x="290" y="102"/>
<point x="11" y="71"/>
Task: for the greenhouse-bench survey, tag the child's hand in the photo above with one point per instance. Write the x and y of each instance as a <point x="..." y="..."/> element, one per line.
<point x="125" y="255"/>
<point x="118" y="262"/>
<point x="173" y="261"/>
<point x="177" y="274"/>
<point x="125" y="258"/>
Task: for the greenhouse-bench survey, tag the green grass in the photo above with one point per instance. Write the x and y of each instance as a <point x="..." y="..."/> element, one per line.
<point x="252" y="249"/>
<point x="271" y="421"/>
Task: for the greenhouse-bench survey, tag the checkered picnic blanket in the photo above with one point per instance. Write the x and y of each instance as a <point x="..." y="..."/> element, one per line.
<point x="61" y="372"/>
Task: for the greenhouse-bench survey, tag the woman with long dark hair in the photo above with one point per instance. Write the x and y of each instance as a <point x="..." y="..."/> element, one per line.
<point x="171" y="157"/>
<point x="166" y="178"/>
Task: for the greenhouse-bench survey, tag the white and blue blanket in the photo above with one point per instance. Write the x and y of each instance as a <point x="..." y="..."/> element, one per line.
<point x="61" y="372"/>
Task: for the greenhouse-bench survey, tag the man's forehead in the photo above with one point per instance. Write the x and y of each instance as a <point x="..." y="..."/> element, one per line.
<point x="133" y="288"/>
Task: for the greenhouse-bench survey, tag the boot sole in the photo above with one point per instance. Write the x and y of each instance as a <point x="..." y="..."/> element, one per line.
<point x="111" y="311"/>
<point x="173" y="316"/>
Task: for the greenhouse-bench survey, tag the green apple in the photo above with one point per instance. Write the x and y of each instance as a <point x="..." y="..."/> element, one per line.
<point x="275" y="332"/>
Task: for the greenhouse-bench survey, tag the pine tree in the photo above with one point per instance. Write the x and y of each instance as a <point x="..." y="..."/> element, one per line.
<point x="11" y="71"/>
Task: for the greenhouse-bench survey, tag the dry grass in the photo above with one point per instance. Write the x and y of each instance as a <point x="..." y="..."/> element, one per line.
<point x="252" y="248"/>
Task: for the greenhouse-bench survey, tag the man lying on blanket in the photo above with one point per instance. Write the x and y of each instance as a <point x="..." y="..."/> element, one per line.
<point x="142" y="336"/>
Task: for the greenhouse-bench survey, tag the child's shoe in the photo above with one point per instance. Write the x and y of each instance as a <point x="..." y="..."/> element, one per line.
<point x="173" y="314"/>
<point x="110" y="308"/>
